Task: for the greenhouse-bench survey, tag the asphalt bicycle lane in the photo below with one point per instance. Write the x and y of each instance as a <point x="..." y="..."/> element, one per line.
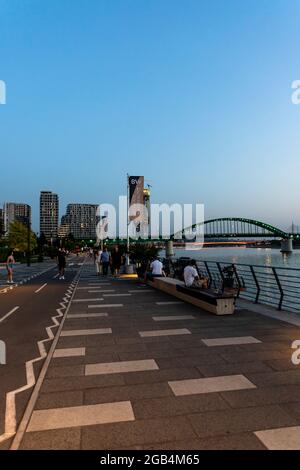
<point x="37" y="302"/>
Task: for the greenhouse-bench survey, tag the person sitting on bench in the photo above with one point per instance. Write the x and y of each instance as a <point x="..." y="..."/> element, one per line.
<point x="156" y="270"/>
<point x="191" y="277"/>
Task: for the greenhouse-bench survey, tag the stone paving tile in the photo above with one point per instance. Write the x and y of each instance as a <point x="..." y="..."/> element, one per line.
<point x="231" y="369"/>
<point x="75" y="342"/>
<point x="127" y="392"/>
<point x="275" y="378"/>
<point x="293" y="409"/>
<point x="159" y="346"/>
<point x="254" y="356"/>
<point x="81" y="383"/>
<point x="263" y="396"/>
<point x="199" y="360"/>
<point x="217" y="423"/>
<point x="57" y="439"/>
<point x="162" y="375"/>
<point x="116" y="348"/>
<point x="59" y="399"/>
<point x="173" y="406"/>
<point x="65" y="371"/>
<point x="282" y="364"/>
<point x="96" y="341"/>
<point x="286" y="438"/>
<point x="87" y="359"/>
<point x="209" y="351"/>
<point x="124" y="435"/>
<point x="267" y="346"/>
<point x="130" y="356"/>
<point x="244" y="441"/>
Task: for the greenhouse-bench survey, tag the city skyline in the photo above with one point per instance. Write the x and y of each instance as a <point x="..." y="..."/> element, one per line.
<point x="80" y="210"/>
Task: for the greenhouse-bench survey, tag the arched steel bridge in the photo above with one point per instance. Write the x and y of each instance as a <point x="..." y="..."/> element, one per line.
<point x="229" y="227"/>
<point x="237" y="227"/>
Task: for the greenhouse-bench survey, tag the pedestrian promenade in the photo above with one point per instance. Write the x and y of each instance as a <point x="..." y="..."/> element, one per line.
<point x="135" y="369"/>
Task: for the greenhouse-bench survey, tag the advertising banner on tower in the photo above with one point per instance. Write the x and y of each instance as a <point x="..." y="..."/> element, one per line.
<point x="137" y="211"/>
<point x="136" y="190"/>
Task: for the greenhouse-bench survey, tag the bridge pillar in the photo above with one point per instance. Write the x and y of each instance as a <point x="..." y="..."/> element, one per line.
<point x="286" y="245"/>
<point x="169" y="249"/>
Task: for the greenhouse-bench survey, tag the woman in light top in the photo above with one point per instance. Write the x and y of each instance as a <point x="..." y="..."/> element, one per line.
<point x="9" y="266"/>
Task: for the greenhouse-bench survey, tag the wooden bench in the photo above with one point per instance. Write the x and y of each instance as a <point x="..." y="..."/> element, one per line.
<point x="219" y="304"/>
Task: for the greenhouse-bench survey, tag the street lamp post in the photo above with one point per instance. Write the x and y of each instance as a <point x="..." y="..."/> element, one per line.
<point x="128" y="240"/>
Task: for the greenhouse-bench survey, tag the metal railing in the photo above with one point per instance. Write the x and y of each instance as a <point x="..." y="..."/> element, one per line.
<point x="276" y="286"/>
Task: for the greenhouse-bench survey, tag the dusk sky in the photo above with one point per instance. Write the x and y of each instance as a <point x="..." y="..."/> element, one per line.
<point x="193" y="94"/>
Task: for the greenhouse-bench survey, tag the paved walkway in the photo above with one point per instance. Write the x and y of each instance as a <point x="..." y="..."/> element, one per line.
<point x="134" y="369"/>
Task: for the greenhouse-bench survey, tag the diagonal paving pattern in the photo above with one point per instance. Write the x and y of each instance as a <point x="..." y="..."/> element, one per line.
<point x="119" y="379"/>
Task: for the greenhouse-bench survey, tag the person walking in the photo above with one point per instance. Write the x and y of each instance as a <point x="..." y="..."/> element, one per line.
<point x="98" y="262"/>
<point x="61" y="259"/>
<point x="9" y="267"/>
<point x="116" y="261"/>
<point x="105" y="259"/>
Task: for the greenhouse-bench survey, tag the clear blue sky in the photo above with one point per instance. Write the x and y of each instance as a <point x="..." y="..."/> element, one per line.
<point x="193" y="94"/>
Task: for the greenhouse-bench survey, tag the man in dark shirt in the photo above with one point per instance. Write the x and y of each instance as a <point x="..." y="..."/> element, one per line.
<point x="116" y="261"/>
<point x="61" y="259"/>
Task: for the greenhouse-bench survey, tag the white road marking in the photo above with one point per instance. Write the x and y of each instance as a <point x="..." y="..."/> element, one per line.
<point x="86" y="415"/>
<point x="142" y="291"/>
<point x="8" y="314"/>
<point x="42" y="287"/>
<point x="179" y="331"/>
<point x="86" y="332"/>
<point x="230" y="341"/>
<point x="171" y="302"/>
<point x="100" y="291"/>
<point x="106" y="306"/>
<point x="116" y="295"/>
<point x="173" y="317"/>
<point x="69" y="352"/>
<point x="96" y="286"/>
<point x="86" y="315"/>
<point x="120" y="367"/>
<point x="210" y="385"/>
<point x="281" y="438"/>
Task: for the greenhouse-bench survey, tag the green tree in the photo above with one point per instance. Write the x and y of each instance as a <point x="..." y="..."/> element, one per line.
<point x="141" y="252"/>
<point x="42" y="240"/>
<point x="18" y="237"/>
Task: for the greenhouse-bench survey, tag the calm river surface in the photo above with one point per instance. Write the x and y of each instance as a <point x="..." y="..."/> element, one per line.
<point x="260" y="256"/>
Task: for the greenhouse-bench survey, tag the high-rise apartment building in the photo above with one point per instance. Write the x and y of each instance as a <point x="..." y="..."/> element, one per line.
<point x="80" y="220"/>
<point x="12" y="212"/>
<point x="49" y="212"/>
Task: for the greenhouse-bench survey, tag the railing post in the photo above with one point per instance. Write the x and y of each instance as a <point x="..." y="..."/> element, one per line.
<point x="208" y="272"/>
<point x="279" y="287"/>
<point x="221" y="274"/>
<point x="256" y="283"/>
<point x="237" y="278"/>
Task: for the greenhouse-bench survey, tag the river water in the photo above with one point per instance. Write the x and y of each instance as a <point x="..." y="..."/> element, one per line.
<point x="255" y="256"/>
